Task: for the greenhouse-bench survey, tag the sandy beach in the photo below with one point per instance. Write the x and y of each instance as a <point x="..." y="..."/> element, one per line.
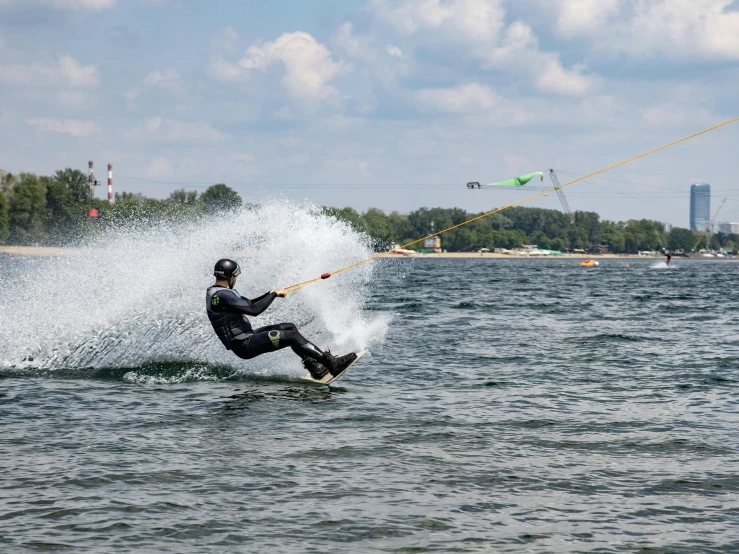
<point x="15" y="251"/>
<point x="477" y="255"/>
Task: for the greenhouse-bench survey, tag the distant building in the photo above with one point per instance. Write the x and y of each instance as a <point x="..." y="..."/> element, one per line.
<point x="433" y="244"/>
<point x="700" y="206"/>
<point x="728" y="228"/>
<point x="667" y="227"/>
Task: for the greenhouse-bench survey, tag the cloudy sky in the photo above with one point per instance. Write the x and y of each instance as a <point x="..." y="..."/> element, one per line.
<point x="387" y="103"/>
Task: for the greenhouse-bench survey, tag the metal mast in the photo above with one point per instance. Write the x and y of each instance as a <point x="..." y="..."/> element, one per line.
<point x="565" y="205"/>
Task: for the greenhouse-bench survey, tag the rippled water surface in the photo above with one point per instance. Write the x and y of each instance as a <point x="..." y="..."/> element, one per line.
<point x="513" y="406"/>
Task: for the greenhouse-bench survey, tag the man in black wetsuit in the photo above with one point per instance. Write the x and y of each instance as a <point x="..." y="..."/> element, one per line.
<point x="669" y="256"/>
<point x="227" y="311"/>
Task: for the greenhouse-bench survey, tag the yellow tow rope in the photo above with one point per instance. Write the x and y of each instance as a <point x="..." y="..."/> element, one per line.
<point x="297" y="286"/>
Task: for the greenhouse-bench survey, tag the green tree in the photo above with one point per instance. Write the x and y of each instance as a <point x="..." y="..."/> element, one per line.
<point x="66" y="209"/>
<point x="218" y="198"/>
<point x="643" y="234"/>
<point x="8" y="181"/>
<point x="75" y="182"/>
<point x="349" y="215"/>
<point x="558" y="243"/>
<point x="589" y="227"/>
<point x="28" y="209"/>
<point x="4" y="219"/>
<point x="377" y="225"/>
<point x="681" y="239"/>
<point x="615" y="240"/>
<point x="401" y="228"/>
<point x="182" y="203"/>
<point x="499" y="222"/>
<point x="542" y="240"/>
<point x="184" y="197"/>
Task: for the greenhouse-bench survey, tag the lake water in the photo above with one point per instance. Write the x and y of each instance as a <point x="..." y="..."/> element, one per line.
<point x="507" y="406"/>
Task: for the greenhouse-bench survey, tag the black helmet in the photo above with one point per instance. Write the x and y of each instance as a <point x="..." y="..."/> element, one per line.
<point x="226" y="268"/>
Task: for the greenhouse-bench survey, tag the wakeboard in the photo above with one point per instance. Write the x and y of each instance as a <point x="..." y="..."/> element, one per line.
<point x="328" y="379"/>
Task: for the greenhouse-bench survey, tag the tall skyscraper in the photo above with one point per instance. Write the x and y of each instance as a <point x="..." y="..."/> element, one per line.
<point x="700" y="206"/>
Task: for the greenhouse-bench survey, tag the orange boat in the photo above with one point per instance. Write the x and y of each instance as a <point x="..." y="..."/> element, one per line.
<point x="588" y="263"/>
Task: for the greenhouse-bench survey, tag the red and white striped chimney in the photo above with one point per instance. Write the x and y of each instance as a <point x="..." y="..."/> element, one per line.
<point x="110" y="183"/>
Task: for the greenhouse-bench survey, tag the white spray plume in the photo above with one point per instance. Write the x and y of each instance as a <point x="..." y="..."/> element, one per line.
<point x="136" y="295"/>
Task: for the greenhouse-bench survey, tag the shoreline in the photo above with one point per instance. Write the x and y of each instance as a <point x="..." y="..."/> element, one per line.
<point x="14" y="251"/>
<point x="491" y="255"/>
<point x="45" y="251"/>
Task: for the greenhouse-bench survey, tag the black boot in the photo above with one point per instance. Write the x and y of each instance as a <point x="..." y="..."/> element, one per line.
<point x="338" y="364"/>
<point x="314" y="367"/>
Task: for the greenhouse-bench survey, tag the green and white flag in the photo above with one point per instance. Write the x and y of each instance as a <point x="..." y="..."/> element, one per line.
<point x="519" y="181"/>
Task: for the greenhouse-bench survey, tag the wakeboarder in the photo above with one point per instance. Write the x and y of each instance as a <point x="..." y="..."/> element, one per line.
<point x="227" y="311"/>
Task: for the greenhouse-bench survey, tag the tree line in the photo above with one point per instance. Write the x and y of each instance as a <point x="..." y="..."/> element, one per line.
<point x="548" y="229"/>
<point x="54" y="210"/>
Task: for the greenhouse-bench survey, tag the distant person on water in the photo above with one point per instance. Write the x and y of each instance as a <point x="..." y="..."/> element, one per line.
<point x="227" y="311"/>
<point x="669" y="257"/>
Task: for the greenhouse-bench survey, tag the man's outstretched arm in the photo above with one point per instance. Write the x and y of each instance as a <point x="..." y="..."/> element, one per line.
<point x="231" y="302"/>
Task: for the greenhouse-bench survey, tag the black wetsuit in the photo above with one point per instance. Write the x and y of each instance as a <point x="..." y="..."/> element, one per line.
<point x="227" y="311"/>
<point x="669" y="257"/>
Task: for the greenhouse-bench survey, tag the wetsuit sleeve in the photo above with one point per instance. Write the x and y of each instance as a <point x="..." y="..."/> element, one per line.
<point x="261" y="303"/>
<point x="230" y="302"/>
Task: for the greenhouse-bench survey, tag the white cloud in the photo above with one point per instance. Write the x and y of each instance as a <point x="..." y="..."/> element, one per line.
<point x="673" y="29"/>
<point x="246" y="164"/>
<point x="291" y="141"/>
<point x="338" y="123"/>
<point x="75" y="98"/>
<point x="222" y="70"/>
<point x="308" y="65"/>
<point x="477" y="21"/>
<point x="353" y="167"/>
<point x="66" y="72"/>
<point x="158" y="167"/>
<point x="465" y="99"/>
<point x="515" y="165"/>
<point x="72" y="127"/>
<point x="519" y="39"/>
<point x="169" y="79"/>
<point x="674" y="115"/>
<point x="477" y="29"/>
<point x="577" y="16"/>
<point x="152" y="125"/>
<point x="476" y="104"/>
<point x="555" y="78"/>
<point x="296" y="159"/>
<point x="394" y="51"/>
<point x="348" y="42"/>
<point x="73" y="5"/>
<point x="700" y="28"/>
<point x="228" y="40"/>
<point x="157" y="129"/>
<point x="372" y="55"/>
<point x="283" y="114"/>
<point x="246" y="158"/>
<point x="519" y="53"/>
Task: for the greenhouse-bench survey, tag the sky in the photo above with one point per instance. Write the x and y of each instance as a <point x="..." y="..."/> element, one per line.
<point x="393" y="104"/>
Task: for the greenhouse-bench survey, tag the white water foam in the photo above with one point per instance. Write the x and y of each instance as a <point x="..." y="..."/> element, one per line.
<point x="661" y="265"/>
<point x="136" y="295"/>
